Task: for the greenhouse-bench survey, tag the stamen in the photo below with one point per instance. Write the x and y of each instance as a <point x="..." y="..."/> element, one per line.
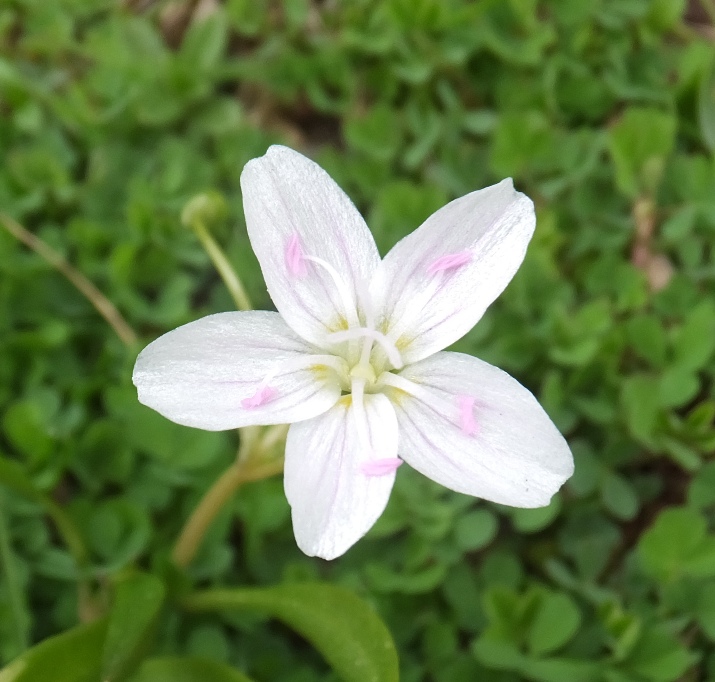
<point x="449" y="262"/>
<point x="345" y="295"/>
<point x="368" y="308"/>
<point x="393" y="355"/>
<point x="263" y="395"/>
<point x="294" y="257"/>
<point x="466" y="403"/>
<point x="466" y="414"/>
<point x="380" y="467"/>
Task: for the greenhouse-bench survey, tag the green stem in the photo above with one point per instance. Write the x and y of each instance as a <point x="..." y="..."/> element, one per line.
<point x="12" y="582"/>
<point x="69" y="532"/>
<point x="194" y="530"/>
<point x="228" y="275"/>
<point x="100" y="302"/>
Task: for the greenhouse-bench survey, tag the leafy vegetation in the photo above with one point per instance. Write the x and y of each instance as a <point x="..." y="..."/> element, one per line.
<point x="113" y="116"/>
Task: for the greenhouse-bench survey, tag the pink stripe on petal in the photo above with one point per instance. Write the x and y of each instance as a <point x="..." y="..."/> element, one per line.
<point x="466" y="415"/>
<point x="449" y="262"/>
<point x="380" y="467"/>
<point x="294" y="257"/>
<point x="260" y="397"/>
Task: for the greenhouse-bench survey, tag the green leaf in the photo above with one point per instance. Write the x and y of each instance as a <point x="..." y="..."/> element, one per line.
<point x="383" y="578"/>
<point x="647" y="337"/>
<point x="701" y="493"/>
<point x="73" y="656"/>
<point x="677" y="544"/>
<point x="186" y="669"/>
<point x="14" y="477"/>
<point x="678" y="386"/>
<point x="377" y="133"/>
<point x="534" y="520"/>
<point x="13" y="585"/>
<point x="640" y="142"/>
<point x="344" y="628"/>
<point x="497" y="653"/>
<point x="705" y="610"/>
<point x="132" y="620"/>
<point x="475" y="530"/>
<point x="27" y="430"/>
<point x="640" y="397"/>
<point x="520" y="143"/>
<point x="205" y="42"/>
<point x="665" y="14"/>
<point x="618" y="496"/>
<point x="623" y="627"/>
<point x="694" y="343"/>
<point x="118" y="529"/>
<point x="659" y="657"/>
<point x="562" y="670"/>
<point x="557" y="620"/>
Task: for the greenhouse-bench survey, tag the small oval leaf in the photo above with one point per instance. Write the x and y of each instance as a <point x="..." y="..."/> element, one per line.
<point x="186" y="669"/>
<point x="342" y="627"/>
<point x="136" y="607"/>
<point x="73" y="656"/>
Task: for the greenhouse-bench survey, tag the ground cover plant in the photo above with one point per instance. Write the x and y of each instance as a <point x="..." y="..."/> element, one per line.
<point x="124" y="127"/>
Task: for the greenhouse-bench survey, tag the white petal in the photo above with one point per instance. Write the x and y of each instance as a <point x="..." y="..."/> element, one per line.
<point x="474" y="429"/>
<point x="235" y="369"/>
<point x="436" y="283"/>
<point x="295" y="212"/>
<point x="330" y="484"/>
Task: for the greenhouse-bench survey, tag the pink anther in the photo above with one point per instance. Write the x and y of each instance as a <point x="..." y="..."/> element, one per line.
<point x="466" y="415"/>
<point x="449" y="262"/>
<point x="294" y="257"/>
<point x="260" y="397"/>
<point x="380" y="467"/>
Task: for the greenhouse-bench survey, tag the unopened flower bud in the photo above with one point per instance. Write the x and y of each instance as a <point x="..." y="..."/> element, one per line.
<point x="205" y="208"/>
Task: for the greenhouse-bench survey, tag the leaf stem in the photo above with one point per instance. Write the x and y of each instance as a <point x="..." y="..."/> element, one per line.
<point x="100" y="302"/>
<point x="69" y="533"/>
<point x="228" y="275"/>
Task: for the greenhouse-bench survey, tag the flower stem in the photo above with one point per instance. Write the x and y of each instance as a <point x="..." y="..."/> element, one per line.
<point x="228" y="275"/>
<point x="241" y="471"/>
<point x="100" y="302"/>
<point x="195" y="528"/>
<point x="15" y="592"/>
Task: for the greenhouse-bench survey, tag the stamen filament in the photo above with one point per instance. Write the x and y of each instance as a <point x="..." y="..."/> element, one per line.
<point x="460" y="412"/>
<point x="393" y="355"/>
<point x="345" y="295"/>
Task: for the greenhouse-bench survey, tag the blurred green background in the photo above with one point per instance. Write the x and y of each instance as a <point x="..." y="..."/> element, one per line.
<point x="113" y="115"/>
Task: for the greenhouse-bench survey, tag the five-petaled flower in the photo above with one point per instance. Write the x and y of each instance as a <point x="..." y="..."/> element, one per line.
<point x="354" y="358"/>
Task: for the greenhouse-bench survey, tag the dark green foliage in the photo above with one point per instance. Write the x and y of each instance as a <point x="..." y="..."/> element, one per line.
<point x="603" y="112"/>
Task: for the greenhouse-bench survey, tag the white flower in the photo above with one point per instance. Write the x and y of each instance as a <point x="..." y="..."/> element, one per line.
<point x="353" y="360"/>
